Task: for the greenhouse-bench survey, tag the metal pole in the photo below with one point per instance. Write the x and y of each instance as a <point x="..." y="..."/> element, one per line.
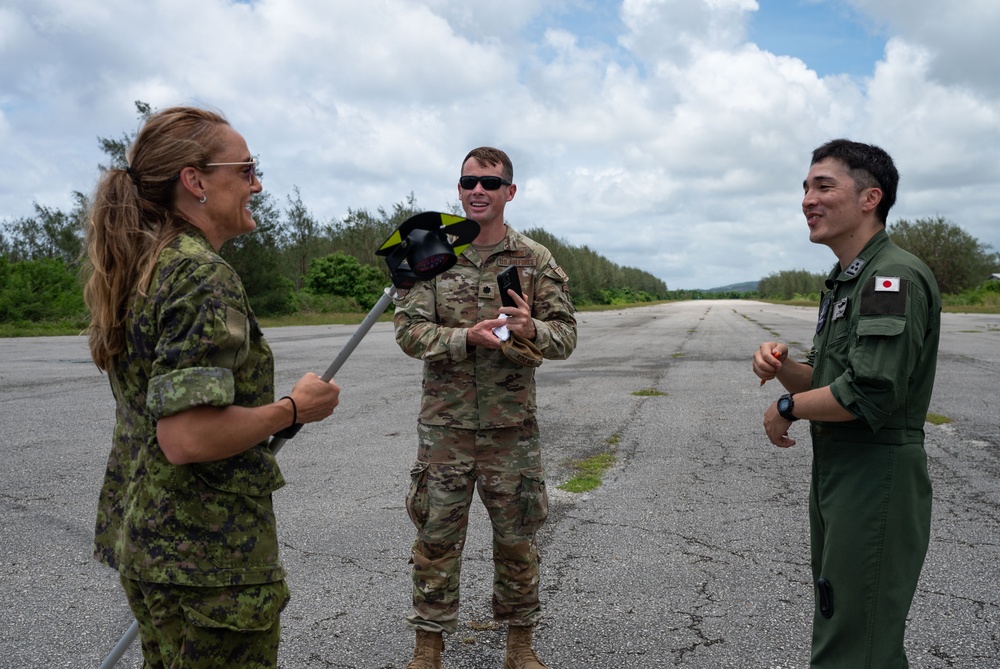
<point x="352" y="343"/>
<point x="366" y="325"/>
<point x="116" y="653"/>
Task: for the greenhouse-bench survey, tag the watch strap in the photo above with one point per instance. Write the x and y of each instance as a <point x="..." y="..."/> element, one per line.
<point x="785" y="407"/>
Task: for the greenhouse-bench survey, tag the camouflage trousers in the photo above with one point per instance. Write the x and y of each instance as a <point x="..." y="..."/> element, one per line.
<point x="183" y="627"/>
<point x="505" y="466"/>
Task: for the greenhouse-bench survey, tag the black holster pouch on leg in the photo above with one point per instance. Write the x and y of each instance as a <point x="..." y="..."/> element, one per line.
<point x="825" y="598"/>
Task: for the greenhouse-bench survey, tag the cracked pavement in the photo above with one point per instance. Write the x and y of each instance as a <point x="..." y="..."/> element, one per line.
<point x="693" y="552"/>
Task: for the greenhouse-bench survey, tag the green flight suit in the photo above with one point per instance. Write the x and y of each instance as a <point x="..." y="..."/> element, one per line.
<point x="870" y="500"/>
<point x="477" y="427"/>
<point x="198" y="537"/>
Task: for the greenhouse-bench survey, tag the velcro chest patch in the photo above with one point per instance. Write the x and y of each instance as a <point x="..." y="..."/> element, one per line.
<point x="884" y="296"/>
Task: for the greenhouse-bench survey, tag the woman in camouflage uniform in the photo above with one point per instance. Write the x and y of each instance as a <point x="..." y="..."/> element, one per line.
<point x="185" y="512"/>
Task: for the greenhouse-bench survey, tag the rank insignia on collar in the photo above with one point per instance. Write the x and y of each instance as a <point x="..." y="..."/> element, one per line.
<point x="855" y="267"/>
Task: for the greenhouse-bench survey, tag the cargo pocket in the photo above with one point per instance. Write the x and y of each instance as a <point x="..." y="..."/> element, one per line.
<point x="417" y="503"/>
<point x="533" y="499"/>
<point x="238" y="609"/>
<point x="876" y="340"/>
<point x="253" y="472"/>
<point x="883" y="326"/>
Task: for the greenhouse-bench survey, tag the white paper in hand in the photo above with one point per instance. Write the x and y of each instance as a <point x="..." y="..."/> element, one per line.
<point x="502" y="333"/>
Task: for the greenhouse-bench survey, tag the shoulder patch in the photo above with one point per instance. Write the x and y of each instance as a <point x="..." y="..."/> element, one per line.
<point x="554" y="271"/>
<point x="884" y="296"/>
<point x="886" y="284"/>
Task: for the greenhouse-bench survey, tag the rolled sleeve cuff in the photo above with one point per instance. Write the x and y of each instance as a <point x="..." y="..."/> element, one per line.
<point x="857" y="403"/>
<point x="183" y="389"/>
<point x="543" y="336"/>
<point x="457" y="347"/>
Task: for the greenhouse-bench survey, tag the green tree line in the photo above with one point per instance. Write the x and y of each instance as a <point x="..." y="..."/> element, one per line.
<point x="292" y="263"/>
<point x="961" y="264"/>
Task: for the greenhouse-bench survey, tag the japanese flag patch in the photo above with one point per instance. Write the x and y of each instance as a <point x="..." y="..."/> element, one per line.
<point x="884" y="296"/>
<point x="887" y="284"/>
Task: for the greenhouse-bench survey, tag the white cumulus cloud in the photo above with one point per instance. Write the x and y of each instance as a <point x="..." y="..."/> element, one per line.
<point x="657" y="134"/>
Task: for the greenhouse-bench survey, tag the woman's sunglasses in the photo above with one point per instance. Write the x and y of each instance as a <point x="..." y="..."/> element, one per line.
<point x="251" y="170"/>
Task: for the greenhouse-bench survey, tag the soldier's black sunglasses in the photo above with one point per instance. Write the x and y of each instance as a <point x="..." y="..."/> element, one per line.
<point x="489" y="183"/>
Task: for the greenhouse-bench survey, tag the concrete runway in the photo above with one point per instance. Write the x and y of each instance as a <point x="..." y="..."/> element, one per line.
<point x="693" y="553"/>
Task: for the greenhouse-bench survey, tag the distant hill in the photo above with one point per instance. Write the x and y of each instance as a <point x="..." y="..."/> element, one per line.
<point x="745" y="287"/>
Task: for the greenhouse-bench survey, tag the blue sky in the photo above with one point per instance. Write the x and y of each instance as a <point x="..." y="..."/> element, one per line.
<point x="831" y="37"/>
<point x="593" y="22"/>
<point x="669" y="135"/>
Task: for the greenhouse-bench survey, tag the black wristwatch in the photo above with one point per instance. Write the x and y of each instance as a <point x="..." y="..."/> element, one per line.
<point x="785" y="407"/>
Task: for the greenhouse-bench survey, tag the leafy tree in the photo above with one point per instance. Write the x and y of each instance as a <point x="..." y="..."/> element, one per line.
<point x="50" y="233"/>
<point x="361" y="233"/>
<point x="986" y="294"/>
<point x="53" y="233"/>
<point x="256" y="258"/>
<point x="342" y="275"/>
<point x="117" y="149"/>
<point x="787" y="284"/>
<point x="957" y="259"/>
<point x="644" y="282"/>
<point x="302" y="240"/>
<point x="596" y="280"/>
<point x="42" y="289"/>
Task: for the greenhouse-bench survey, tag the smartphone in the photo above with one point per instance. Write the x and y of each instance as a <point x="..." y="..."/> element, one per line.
<point x="509" y="278"/>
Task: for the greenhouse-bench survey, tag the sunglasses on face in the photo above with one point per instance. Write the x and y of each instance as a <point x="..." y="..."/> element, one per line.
<point x="489" y="183"/>
<point x="251" y="172"/>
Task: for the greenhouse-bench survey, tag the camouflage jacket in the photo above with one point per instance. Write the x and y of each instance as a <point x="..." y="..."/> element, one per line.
<point x="192" y="340"/>
<point x="480" y="388"/>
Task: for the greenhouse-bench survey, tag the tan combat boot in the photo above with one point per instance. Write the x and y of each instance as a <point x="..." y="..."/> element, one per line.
<point x="519" y="653"/>
<point x="427" y="652"/>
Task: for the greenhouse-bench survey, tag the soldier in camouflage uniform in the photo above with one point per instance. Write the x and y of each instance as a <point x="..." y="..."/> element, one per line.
<point x="865" y="388"/>
<point x="477" y="417"/>
<point x="185" y="512"/>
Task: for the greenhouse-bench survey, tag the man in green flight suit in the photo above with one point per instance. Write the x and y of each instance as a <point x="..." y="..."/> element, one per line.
<point x="477" y="424"/>
<point x="865" y="388"/>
